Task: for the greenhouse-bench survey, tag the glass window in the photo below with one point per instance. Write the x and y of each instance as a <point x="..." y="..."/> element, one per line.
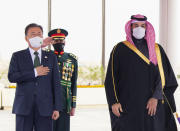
<point x="15" y="16"/>
<point x="82" y="19"/>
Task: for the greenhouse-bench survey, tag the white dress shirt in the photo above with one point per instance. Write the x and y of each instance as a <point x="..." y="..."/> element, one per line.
<point x="33" y="57"/>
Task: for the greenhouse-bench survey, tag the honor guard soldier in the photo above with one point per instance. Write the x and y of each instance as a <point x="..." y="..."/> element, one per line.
<point x="68" y="70"/>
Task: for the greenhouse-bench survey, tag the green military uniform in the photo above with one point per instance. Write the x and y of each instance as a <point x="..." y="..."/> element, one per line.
<point x="68" y="67"/>
<point x="68" y="70"/>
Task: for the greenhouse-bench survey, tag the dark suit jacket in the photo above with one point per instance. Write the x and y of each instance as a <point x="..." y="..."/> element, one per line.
<point x="47" y="88"/>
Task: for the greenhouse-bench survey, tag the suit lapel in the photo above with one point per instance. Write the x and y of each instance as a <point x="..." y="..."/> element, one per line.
<point x="28" y="58"/>
<point x="29" y="61"/>
<point x="43" y="58"/>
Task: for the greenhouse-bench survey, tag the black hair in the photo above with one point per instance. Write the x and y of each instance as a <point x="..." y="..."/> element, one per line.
<point x="32" y="25"/>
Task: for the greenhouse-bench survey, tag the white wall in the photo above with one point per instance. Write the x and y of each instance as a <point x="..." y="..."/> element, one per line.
<point x="170" y="30"/>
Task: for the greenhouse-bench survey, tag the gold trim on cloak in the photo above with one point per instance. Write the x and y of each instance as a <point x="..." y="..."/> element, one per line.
<point x="160" y="66"/>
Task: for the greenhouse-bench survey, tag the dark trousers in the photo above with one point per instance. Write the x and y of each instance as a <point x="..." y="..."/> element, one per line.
<point x="62" y="123"/>
<point x="34" y="121"/>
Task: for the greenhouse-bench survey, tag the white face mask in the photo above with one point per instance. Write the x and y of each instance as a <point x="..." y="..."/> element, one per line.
<point x="139" y="32"/>
<point x="36" y="42"/>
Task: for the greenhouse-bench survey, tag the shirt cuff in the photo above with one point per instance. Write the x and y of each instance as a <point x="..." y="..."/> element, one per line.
<point x="158" y="95"/>
<point x="35" y="72"/>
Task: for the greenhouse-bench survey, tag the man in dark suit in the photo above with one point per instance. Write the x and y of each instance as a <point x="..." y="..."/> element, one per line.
<point x="38" y="92"/>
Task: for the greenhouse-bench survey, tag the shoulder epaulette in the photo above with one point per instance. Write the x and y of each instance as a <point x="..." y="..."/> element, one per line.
<point x="73" y="56"/>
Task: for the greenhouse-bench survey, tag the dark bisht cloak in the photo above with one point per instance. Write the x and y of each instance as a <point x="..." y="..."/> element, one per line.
<point x="134" y="82"/>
